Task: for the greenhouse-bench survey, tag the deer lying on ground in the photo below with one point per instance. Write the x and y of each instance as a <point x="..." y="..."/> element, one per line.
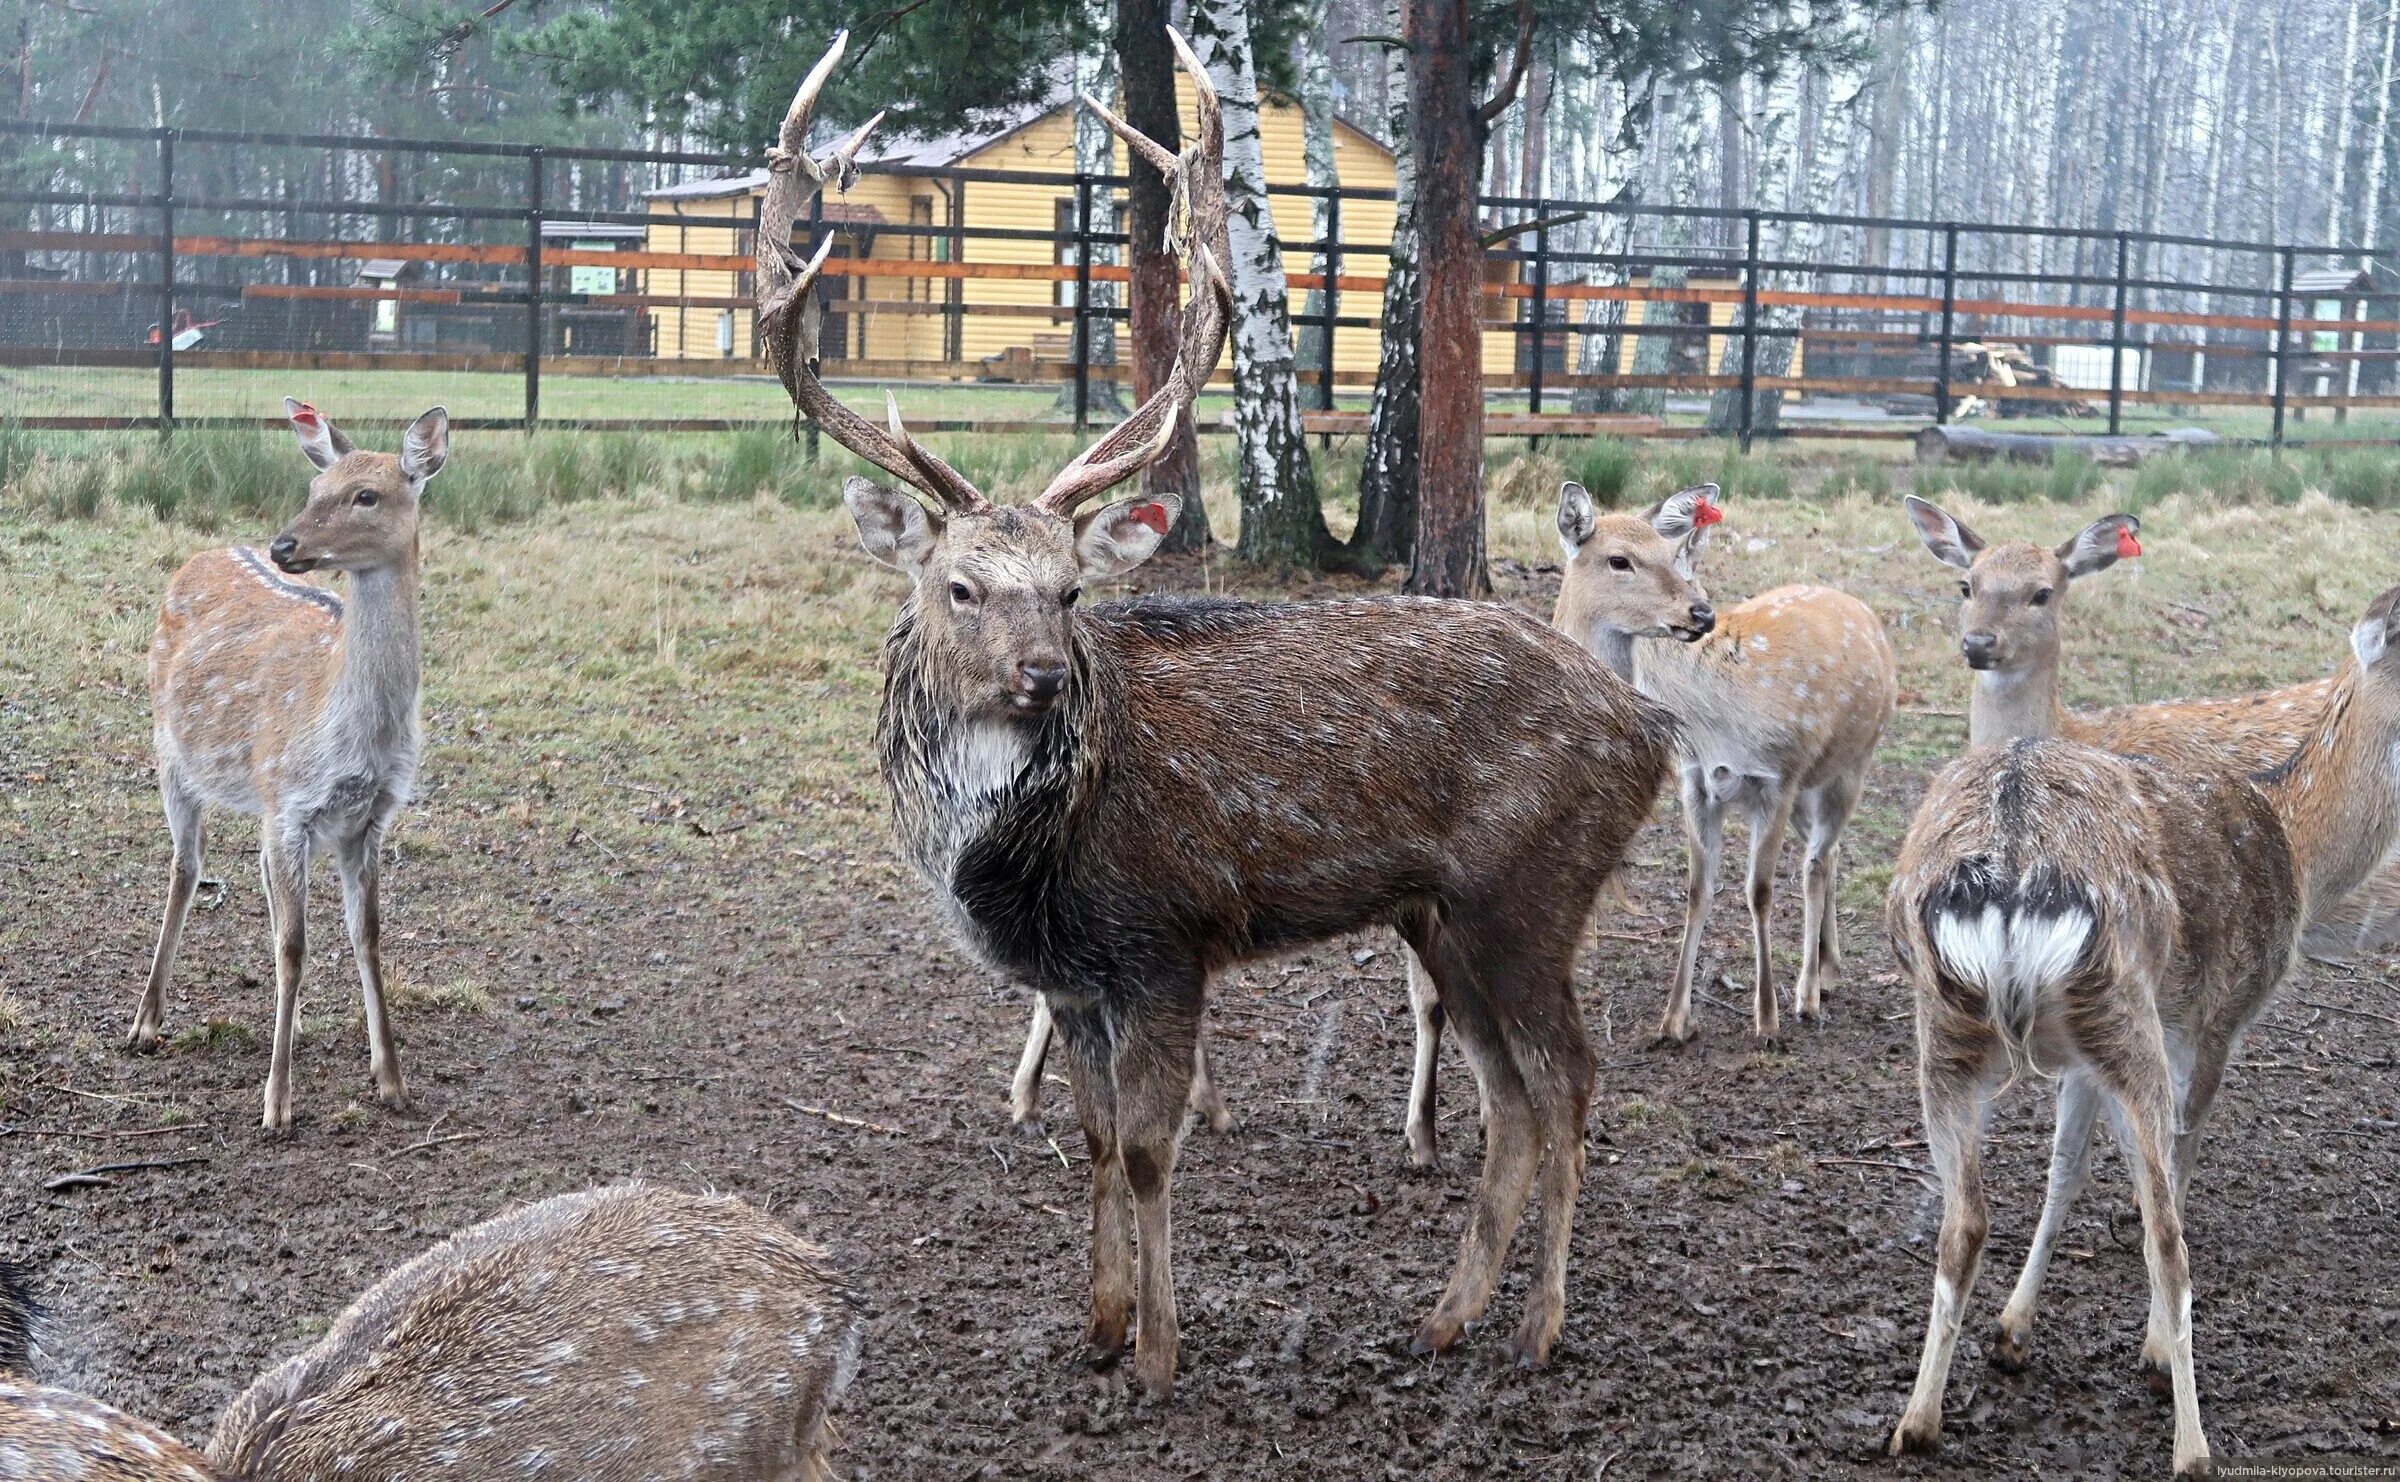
<point x="54" y="1433"/>
<point x="1112" y="801"/>
<point x="1779" y="704"/>
<point x="277" y="698"/>
<point x="2117" y="922"/>
<point x="2014" y="601"/>
<point x="624" y="1333"/>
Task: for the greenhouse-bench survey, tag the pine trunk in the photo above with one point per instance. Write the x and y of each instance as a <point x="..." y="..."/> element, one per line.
<point x="1449" y="558"/>
<point x="1282" y="522"/>
<point x="1146" y="62"/>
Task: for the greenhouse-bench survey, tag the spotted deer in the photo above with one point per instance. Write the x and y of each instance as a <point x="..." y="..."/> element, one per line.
<point x="622" y="1333"/>
<point x="1111" y="800"/>
<point x="2116" y="922"/>
<point x="55" y="1433"/>
<point x="2013" y="601"/>
<point x="277" y="698"/>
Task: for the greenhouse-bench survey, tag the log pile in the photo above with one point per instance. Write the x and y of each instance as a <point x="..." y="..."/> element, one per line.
<point x="1955" y="444"/>
<point x="1981" y="376"/>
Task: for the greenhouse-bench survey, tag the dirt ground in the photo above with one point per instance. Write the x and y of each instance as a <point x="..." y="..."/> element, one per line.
<point x="657" y="930"/>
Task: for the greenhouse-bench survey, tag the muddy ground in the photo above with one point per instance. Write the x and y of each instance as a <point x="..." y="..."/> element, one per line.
<point x="726" y="988"/>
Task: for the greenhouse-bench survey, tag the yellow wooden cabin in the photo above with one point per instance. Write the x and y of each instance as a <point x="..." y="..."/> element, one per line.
<point x="920" y="327"/>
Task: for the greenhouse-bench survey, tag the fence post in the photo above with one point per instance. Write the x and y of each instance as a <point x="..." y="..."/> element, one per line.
<point x="533" y="287"/>
<point x="166" y="282"/>
<point x="1333" y="296"/>
<point x="1083" y="301"/>
<point x="1941" y="375"/>
<point x="1541" y="306"/>
<point x="1749" y="327"/>
<point x="2283" y="342"/>
<point x="2116" y="347"/>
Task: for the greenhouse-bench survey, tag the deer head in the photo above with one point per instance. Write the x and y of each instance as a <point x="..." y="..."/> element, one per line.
<point x="362" y="507"/>
<point x="997" y="586"/>
<point x="2013" y="592"/>
<point x="1633" y="574"/>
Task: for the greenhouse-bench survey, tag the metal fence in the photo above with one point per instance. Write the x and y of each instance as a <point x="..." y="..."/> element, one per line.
<point x="161" y="278"/>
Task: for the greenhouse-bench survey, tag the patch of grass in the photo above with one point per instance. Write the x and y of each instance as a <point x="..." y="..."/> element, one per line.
<point x="451" y="995"/>
<point x="1864" y="886"/>
<point x="12" y="1013"/>
<point x="1786" y="1160"/>
<point x="1856" y="476"/>
<point x="1605" y="466"/>
<point x="214" y="1035"/>
<point x="2215" y="476"/>
<point x="2367" y="478"/>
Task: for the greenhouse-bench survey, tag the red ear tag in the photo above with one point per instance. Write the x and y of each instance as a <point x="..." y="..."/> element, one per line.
<point x="2126" y="544"/>
<point x="1706" y="514"/>
<point x="306" y="416"/>
<point x="1153" y="515"/>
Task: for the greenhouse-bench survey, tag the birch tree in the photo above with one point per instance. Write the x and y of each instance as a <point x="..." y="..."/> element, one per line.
<point x="1282" y="521"/>
<point x="1387" y="479"/>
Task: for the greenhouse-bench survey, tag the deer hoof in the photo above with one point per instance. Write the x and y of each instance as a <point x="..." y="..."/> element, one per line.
<point x="1912" y="1439"/>
<point x="1438" y="1335"/>
<point x="143" y="1040"/>
<point x="2011" y="1352"/>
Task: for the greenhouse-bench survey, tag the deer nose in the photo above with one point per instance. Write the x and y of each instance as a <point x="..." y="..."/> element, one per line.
<point x="1040" y="680"/>
<point x="1980" y="649"/>
<point x="1704" y="617"/>
<point x="283" y="550"/>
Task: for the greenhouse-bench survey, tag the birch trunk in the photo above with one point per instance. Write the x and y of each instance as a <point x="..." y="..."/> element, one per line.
<point x="1387" y="481"/>
<point x="1282" y="522"/>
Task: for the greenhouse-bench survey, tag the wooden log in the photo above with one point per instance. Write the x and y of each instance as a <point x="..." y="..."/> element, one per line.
<point x="1955" y="444"/>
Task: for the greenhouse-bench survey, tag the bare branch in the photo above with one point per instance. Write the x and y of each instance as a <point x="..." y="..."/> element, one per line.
<point x="1506" y="92"/>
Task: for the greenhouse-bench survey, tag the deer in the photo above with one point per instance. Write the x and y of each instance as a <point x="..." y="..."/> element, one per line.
<point x="625" y="1332"/>
<point x="2116" y="922"/>
<point x="1110" y="800"/>
<point x="2013" y="599"/>
<point x="277" y="698"/>
<point x="1779" y="704"/>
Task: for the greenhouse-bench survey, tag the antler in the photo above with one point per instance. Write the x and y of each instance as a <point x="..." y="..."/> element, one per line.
<point x="1196" y="230"/>
<point x="789" y="316"/>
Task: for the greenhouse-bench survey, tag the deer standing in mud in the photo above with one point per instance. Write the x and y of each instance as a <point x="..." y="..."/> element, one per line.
<point x="1112" y="800"/>
<point x="623" y="1333"/>
<point x="1778" y="702"/>
<point x="2117" y="922"/>
<point x="277" y="698"/>
<point x="2013" y="601"/>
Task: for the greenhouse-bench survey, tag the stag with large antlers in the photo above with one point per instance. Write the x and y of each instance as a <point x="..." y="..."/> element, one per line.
<point x="1111" y="800"/>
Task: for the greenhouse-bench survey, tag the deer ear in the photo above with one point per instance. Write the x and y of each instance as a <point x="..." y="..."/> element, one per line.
<point x="426" y="447"/>
<point x="2373" y="636"/>
<point x="1578" y="517"/>
<point x="1951" y="542"/>
<point x="2099" y="544"/>
<point x="320" y="441"/>
<point x="1115" y="538"/>
<point x="894" y="529"/>
<point x="1686" y="511"/>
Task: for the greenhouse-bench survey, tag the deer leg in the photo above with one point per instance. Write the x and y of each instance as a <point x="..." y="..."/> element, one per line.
<point x="1557" y="1066"/>
<point x="1426" y="1005"/>
<point x="1088" y="1038"/>
<point x="1823" y="813"/>
<point x="2149" y="1110"/>
<point x="1205" y="1100"/>
<point x="1767" y="823"/>
<point x="187" y="828"/>
<point x="2079" y="1101"/>
<point x="283" y="871"/>
<point x="1704" y="840"/>
<point x="1153" y="1086"/>
<point x="1025" y="1092"/>
<point x="2199" y="1098"/>
<point x="1512" y="1144"/>
<point x="1954" y="1135"/>
<point x="361" y="866"/>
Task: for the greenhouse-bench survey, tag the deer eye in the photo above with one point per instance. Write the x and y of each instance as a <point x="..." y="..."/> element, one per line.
<point x="1965" y="590"/>
<point x="961" y="593"/>
<point x="1070" y="597"/>
<point x="364" y="498"/>
<point x="2041" y="596"/>
<point x="1619" y="563"/>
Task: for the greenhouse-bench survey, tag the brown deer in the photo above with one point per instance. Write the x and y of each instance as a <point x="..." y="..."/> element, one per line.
<point x="1111" y="801"/>
<point x="2117" y="922"/>
<point x="1779" y="702"/>
<point x="623" y="1333"/>
<point x="277" y="698"/>
<point x="2013" y="600"/>
<point x="54" y="1433"/>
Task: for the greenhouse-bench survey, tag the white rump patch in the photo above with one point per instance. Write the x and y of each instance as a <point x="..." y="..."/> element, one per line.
<point x="2012" y="957"/>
